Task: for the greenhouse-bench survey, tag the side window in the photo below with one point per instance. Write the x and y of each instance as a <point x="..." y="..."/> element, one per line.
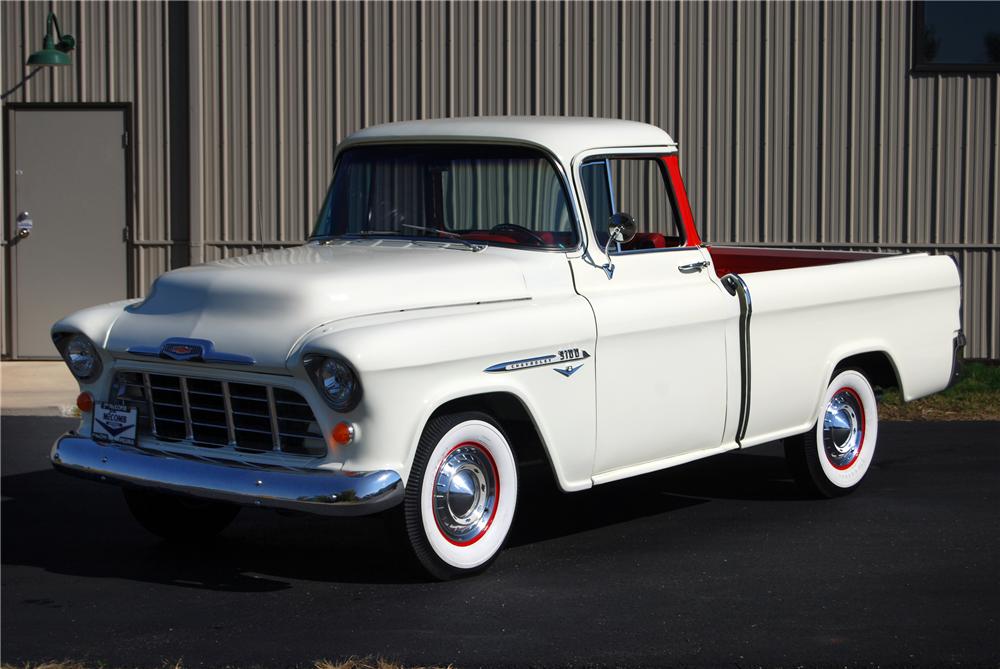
<point x="640" y="188"/>
<point x="596" y="188"/>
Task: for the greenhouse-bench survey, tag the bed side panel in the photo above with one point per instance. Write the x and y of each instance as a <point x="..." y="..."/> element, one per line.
<point x="806" y="320"/>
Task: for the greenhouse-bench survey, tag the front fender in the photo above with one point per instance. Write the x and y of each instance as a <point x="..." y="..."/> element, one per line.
<point x="96" y="323"/>
<point x="411" y="364"/>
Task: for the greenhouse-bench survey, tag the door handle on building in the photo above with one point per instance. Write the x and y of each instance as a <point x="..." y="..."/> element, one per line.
<point x="24" y="224"/>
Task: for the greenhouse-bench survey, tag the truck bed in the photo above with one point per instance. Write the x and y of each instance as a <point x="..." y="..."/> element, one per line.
<point x="747" y="260"/>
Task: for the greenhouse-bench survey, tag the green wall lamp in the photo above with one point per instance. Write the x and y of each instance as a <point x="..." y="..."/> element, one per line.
<point x="52" y="54"/>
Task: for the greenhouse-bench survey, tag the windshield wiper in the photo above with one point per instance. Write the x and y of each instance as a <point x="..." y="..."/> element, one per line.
<point x="450" y="236"/>
<point x="437" y="231"/>
<point x="447" y="242"/>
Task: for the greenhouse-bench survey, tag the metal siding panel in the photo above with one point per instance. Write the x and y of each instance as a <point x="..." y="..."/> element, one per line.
<point x="240" y="221"/>
<point x="380" y="67"/>
<point x="213" y="109"/>
<point x="523" y="42"/>
<point x="778" y="123"/>
<point x="747" y="139"/>
<point x="864" y="113"/>
<point x="978" y="138"/>
<point x="807" y="102"/>
<point x="950" y="164"/>
<point x="922" y="159"/>
<point x="665" y="74"/>
<point x="12" y="42"/>
<point x="835" y="215"/>
<point x="690" y="123"/>
<point x="716" y="182"/>
<point x="350" y="72"/>
<point x="323" y="86"/>
<point x="263" y="169"/>
<point x="893" y="190"/>
<point x="578" y="54"/>
<point x="91" y="75"/>
<point x="292" y="140"/>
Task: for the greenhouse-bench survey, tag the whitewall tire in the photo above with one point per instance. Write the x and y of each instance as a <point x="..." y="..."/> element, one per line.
<point x="461" y="494"/>
<point x="833" y="457"/>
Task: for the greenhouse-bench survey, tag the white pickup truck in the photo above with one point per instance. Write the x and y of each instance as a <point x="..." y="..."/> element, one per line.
<point x="478" y="292"/>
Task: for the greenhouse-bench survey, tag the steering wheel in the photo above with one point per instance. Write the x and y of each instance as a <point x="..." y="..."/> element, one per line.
<point x="519" y="230"/>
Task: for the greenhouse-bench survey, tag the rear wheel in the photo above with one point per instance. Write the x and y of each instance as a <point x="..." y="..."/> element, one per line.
<point x="832" y="458"/>
<point x="461" y="494"/>
<point x="179" y="519"/>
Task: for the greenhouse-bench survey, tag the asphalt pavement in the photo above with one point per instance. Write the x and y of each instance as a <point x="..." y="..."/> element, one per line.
<point x="716" y="563"/>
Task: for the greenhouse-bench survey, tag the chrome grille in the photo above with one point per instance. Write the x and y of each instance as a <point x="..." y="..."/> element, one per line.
<point x="221" y="414"/>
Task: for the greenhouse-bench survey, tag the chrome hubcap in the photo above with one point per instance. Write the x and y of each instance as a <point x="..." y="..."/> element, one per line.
<point x="843" y="428"/>
<point x="465" y="493"/>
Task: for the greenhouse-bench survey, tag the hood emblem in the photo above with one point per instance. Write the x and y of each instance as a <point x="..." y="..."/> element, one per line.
<point x="191" y="350"/>
<point x="559" y="357"/>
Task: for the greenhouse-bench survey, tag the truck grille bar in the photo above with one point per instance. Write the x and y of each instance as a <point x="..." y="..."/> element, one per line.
<point x="217" y="414"/>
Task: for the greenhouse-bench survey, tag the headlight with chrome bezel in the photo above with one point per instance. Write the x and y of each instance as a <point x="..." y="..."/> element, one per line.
<point x="80" y="355"/>
<point x="336" y="381"/>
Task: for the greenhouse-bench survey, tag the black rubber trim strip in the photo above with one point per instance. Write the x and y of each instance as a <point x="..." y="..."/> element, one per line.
<point x="736" y="286"/>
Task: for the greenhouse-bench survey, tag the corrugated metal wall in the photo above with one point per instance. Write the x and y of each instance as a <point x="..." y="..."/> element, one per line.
<point x="799" y="123"/>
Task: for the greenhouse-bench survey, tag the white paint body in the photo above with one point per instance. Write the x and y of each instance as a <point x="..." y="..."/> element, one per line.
<point x="421" y="323"/>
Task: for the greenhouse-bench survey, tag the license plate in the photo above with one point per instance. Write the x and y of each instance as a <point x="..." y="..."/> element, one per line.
<point x="114" y="423"/>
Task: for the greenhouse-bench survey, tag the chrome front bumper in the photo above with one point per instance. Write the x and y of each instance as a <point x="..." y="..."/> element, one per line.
<point x="317" y="491"/>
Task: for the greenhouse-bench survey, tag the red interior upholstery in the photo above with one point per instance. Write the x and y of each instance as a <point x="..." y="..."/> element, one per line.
<point x="651" y="240"/>
<point x="737" y="260"/>
<point x="489" y="237"/>
<point x="646" y="240"/>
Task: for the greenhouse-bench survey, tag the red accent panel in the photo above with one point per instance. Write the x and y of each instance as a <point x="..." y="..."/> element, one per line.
<point x="647" y="240"/>
<point x="743" y="260"/>
<point x="687" y="218"/>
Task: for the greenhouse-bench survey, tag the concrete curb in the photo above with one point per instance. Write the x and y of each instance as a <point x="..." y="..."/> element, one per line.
<point x="63" y="411"/>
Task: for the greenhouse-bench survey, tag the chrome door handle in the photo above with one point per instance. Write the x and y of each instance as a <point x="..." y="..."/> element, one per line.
<point x="692" y="267"/>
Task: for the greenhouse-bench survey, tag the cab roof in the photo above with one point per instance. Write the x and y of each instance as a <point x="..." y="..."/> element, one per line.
<point x="564" y="136"/>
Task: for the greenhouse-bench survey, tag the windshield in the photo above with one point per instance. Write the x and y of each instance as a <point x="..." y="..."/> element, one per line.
<point x="470" y="192"/>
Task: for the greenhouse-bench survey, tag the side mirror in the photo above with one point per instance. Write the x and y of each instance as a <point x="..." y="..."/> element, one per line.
<point x="621" y="230"/>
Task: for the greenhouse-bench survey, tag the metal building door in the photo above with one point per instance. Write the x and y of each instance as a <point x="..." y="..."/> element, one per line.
<point x="68" y="217"/>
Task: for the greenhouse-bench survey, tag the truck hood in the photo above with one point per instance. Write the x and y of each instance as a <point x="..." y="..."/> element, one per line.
<point x="261" y="305"/>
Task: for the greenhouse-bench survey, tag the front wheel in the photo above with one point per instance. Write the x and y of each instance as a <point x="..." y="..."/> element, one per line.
<point x="831" y="459"/>
<point x="461" y="494"/>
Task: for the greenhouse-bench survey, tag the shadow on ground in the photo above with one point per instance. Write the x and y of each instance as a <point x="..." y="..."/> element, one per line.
<point x="81" y="528"/>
